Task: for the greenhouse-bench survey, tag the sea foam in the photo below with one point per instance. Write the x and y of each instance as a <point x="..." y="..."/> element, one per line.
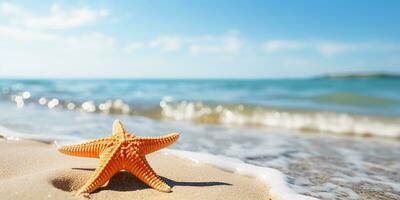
<point x="272" y="178"/>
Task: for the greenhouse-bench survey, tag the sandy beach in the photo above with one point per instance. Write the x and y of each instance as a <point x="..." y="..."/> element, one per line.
<point x="36" y="170"/>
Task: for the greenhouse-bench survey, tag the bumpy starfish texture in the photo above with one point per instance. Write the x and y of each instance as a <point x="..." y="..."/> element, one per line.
<point x="121" y="151"/>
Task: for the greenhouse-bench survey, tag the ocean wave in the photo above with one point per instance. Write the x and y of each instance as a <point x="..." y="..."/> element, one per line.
<point x="231" y="114"/>
<point x="310" y="121"/>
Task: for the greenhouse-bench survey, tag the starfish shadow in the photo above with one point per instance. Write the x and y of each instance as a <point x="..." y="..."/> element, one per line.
<point x="173" y="183"/>
<point x="83" y="169"/>
<point x="125" y="181"/>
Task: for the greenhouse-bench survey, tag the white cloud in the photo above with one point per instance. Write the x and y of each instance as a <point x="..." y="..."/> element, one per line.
<point x="195" y="45"/>
<point x="232" y="44"/>
<point x="165" y="43"/>
<point x="134" y="46"/>
<point x="214" y="44"/>
<point x="23" y="25"/>
<point x="334" y="48"/>
<point x="331" y="48"/>
<point x="282" y="45"/>
<point x="93" y="40"/>
<point x="326" y="47"/>
<point x="58" y="17"/>
<point x="16" y="33"/>
<point x="9" y="9"/>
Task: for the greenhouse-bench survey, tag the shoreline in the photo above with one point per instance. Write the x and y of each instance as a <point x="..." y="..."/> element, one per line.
<point x="272" y="181"/>
<point x="320" y="166"/>
<point x="272" y="178"/>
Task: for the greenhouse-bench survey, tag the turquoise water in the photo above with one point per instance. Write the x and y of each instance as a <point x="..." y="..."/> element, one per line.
<point x="359" y="107"/>
<point x="374" y="97"/>
<point x="261" y="122"/>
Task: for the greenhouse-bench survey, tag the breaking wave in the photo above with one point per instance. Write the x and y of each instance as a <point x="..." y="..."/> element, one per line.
<point x="233" y="114"/>
<point x="309" y="121"/>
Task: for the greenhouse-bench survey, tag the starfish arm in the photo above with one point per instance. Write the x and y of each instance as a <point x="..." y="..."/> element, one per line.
<point x="152" y="144"/>
<point x="139" y="167"/>
<point x="118" y="130"/>
<point x="109" y="164"/>
<point x="88" y="149"/>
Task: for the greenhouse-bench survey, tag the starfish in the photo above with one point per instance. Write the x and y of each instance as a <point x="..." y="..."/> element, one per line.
<point x="121" y="151"/>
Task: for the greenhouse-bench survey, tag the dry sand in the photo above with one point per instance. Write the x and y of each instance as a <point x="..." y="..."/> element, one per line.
<point x="36" y="170"/>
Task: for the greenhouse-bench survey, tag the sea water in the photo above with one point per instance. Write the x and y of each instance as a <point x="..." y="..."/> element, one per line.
<point x="333" y="139"/>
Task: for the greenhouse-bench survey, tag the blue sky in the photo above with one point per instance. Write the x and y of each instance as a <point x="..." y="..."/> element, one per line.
<point x="197" y="39"/>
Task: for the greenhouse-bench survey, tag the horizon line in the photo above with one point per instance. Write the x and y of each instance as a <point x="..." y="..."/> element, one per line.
<point x="381" y="73"/>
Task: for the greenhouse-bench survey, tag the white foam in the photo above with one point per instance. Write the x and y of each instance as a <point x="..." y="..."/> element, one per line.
<point x="14" y="135"/>
<point x="331" y="122"/>
<point x="272" y="178"/>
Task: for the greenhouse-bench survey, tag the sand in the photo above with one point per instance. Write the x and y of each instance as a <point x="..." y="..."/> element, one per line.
<point x="36" y="170"/>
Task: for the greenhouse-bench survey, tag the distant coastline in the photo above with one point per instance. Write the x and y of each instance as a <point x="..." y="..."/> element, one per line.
<point x="350" y="76"/>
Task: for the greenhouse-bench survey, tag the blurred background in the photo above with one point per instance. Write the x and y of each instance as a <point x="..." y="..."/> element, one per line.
<point x="310" y="88"/>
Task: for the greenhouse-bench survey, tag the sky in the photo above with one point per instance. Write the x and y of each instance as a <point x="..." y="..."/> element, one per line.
<point x="197" y="39"/>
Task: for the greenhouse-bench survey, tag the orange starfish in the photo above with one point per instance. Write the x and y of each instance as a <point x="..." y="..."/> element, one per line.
<point x="121" y="151"/>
